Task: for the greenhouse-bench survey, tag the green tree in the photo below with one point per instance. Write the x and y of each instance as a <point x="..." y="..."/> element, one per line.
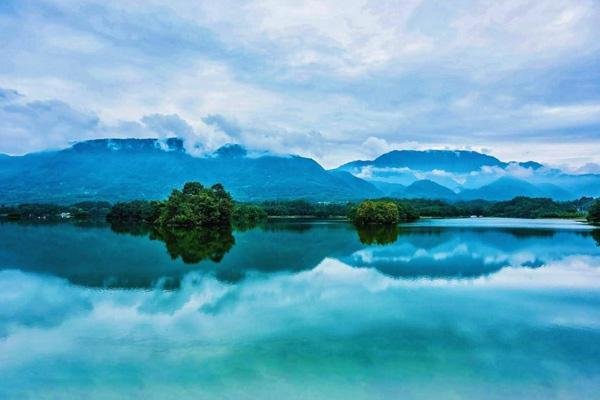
<point x="196" y="205"/>
<point x="246" y="216"/>
<point x="376" y="212"/>
<point x="135" y="211"/>
<point x="594" y="212"/>
<point x="407" y="212"/>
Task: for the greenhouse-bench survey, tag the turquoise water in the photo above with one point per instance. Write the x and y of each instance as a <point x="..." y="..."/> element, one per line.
<point x="473" y="308"/>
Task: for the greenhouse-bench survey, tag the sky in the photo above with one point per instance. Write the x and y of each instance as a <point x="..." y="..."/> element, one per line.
<point x="336" y="81"/>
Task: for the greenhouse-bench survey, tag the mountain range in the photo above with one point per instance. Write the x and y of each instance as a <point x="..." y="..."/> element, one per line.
<point x="123" y="169"/>
<point x="468" y="175"/>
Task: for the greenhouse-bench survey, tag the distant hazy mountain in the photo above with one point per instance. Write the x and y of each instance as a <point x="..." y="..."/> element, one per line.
<point x="426" y="189"/>
<point x="503" y="189"/>
<point x="122" y="169"/>
<point x="388" y="188"/>
<point x="470" y="174"/>
<point x="507" y="188"/>
<point x="451" y="161"/>
<point x="119" y="169"/>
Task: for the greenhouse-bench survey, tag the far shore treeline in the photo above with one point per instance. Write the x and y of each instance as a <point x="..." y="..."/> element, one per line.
<point x="196" y="205"/>
<point x="193" y="206"/>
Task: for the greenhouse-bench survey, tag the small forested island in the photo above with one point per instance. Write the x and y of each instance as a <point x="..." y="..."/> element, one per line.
<point x="382" y="212"/>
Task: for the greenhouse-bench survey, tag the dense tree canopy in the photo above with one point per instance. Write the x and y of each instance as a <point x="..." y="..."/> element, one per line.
<point x="247" y="215"/>
<point x="376" y="212"/>
<point x="594" y="212"/>
<point x="196" y="205"/>
<point x="304" y="208"/>
<point x="528" y="207"/>
<point x="406" y="211"/>
<point x="135" y="211"/>
<point x="81" y="210"/>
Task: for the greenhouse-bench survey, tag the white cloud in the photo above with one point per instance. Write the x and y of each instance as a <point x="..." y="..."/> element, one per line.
<point x="568" y="115"/>
<point x="365" y="35"/>
<point x="331" y="82"/>
<point x="38" y="125"/>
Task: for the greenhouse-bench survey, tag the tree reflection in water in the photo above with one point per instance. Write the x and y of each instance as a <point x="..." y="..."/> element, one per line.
<point x="193" y="245"/>
<point x="596" y="236"/>
<point x="373" y="234"/>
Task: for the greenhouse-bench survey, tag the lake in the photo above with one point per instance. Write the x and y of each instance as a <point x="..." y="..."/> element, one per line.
<point x="438" y="309"/>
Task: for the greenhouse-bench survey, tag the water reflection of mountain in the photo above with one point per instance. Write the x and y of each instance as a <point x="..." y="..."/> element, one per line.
<point x="286" y="247"/>
<point x="277" y="247"/>
<point x="140" y="257"/>
<point x="434" y="252"/>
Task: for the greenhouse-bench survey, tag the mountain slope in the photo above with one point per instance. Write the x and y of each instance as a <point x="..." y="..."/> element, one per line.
<point x="121" y="169"/>
<point x="447" y="160"/>
<point x="426" y="189"/>
<point x="387" y="188"/>
<point x="504" y="188"/>
<point x="473" y="174"/>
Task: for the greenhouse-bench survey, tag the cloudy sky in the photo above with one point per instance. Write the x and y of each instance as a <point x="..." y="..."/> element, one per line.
<point x="517" y="79"/>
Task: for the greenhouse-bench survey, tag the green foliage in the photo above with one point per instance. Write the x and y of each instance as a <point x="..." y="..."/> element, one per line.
<point x="82" y="210"/>
<point x="519" y="207"/>
<point x="435" y="208"/>
<point x="89" y="209"/>
<point x="248" y="215"/>
<point x="304" y="208"/>
<point x="527" y="207"/>
<point x="135" y="211"/>
<point x="376" y="212"/>
<point x="594" y="212"/>
<point x="193" y="206"/>
<point x="196" y="205"/>
<point x="406" y="211"/>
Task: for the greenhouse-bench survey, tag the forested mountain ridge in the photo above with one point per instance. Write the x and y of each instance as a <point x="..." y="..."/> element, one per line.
<point x="469" y="175"/>
<point x="125" y="169"/>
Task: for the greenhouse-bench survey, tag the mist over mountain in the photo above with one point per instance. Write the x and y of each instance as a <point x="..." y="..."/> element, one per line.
<point x="123" y="169"/>
<point x="446" y="160"/>
<point x="469" y="175"/>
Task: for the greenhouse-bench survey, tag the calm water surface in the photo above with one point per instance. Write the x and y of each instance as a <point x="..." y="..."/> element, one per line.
<point x="472" y="308"/>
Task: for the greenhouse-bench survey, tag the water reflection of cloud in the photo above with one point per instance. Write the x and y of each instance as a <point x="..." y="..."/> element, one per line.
<point x="31" y="301"/>
<point x="37" y="301"/>
<point x="97" y="257"/>
<point x="582" y="272"/>
<point x="208" y="330"/>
